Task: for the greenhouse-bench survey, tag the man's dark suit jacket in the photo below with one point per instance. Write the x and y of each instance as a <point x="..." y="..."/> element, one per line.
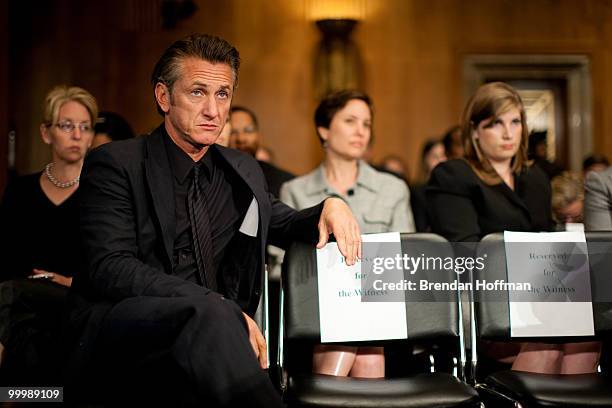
<point x="275" y="177"/>
<point x="464" y="208"/>
<point x="128" y="225"/>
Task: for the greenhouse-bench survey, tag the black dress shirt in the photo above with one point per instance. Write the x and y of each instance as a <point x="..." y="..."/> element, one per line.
<point x="227" y="201"/>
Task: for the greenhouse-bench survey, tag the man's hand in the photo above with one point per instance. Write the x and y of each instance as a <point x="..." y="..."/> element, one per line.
<point x="337" y="218"/>
<point x="52" y="276"/>
<point x="257" y="342"/>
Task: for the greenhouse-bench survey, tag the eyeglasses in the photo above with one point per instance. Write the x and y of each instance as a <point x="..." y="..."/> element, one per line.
<point x="68" y="127"/>
<point x="247" y="130"/>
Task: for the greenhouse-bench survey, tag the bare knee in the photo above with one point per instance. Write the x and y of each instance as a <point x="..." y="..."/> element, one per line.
<point x="539" y="358"/>
<point x="369" y="363"/>
<point x="333" y="359"/>
<point x="580" y="358"/>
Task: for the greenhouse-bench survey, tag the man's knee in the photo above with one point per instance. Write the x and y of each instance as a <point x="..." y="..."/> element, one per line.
<point x="215" y="309"/>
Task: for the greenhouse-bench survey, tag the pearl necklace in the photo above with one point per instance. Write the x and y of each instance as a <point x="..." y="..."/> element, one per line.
<point x="55" y="181"/>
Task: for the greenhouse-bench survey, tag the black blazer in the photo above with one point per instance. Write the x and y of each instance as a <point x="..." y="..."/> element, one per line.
<point x="127" y="218"/>
<point x="275" y="177"/>
<point x="464" y="208"/>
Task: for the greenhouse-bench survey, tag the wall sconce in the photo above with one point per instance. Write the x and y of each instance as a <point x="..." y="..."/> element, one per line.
<point x="338" y="63"/>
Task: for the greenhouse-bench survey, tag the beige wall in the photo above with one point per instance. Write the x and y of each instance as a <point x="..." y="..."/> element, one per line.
<point x="412" y="51"/>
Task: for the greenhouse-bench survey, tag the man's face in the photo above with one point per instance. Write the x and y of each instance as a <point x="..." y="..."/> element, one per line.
<point x="198" y="105"/>
<point x="245" y="135"/>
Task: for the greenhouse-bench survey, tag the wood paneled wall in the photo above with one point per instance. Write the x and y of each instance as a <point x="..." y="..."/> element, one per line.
<point x="4" y="93"/>
<point x="412" y="52"/>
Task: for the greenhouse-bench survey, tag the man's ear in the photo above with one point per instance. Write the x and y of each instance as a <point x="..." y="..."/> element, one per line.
<point x="44" y="133"/>
<point x="323" y="132"/>
<point x="162" y="95"/>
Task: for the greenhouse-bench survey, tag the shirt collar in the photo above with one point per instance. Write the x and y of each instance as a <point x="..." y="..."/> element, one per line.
<point x="367" y="177"/>
<point x="181" y="164"/>
<point x="318" y="183"/>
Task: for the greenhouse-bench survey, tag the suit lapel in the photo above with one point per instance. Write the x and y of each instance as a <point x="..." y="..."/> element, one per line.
<point x="514" y="196"/>
<point x="159" y="180"/>
<point x="244" y="168"/>
<point x="240" y="166"/>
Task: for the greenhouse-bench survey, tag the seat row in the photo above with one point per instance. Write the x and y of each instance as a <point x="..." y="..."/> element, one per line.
<point x="456" y="324"/>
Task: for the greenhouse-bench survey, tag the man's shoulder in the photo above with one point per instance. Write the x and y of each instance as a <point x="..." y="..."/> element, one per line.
<point x="127" y="149"/>
<point x="275" y="169"/>
<point x="278" y="174"/>
<point x="244" y="164"/>
<point x="123" y="155"/>
<point x="236" y="157"/>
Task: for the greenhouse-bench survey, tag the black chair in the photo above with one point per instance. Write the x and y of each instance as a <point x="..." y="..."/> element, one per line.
<point x="426" y="320"/>
<point x="262" y="315"/>
<point x="491" y="321"/>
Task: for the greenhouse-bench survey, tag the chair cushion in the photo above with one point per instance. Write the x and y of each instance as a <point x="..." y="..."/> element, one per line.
<point x="577" y="390"/>
<point x="423" y="390"/>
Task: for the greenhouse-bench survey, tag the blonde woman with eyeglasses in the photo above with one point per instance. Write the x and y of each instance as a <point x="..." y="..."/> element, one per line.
<point x="40" y="236"/>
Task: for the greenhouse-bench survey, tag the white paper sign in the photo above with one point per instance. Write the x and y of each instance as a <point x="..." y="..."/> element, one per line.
<point x="557" y="272"/>
<point x="542" y="319"/>
<point x="343" y="315"/>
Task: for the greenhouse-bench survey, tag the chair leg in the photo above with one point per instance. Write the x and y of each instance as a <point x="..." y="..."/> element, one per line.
<point x="494" y="398"/>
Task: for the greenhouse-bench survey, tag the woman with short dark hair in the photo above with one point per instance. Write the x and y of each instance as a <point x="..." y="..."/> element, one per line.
<point x="379" y="201"/>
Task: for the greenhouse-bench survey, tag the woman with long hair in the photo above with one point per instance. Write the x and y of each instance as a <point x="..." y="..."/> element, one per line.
<point x="494" y="188"/>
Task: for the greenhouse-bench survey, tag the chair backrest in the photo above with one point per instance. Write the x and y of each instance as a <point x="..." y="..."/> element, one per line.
<point x="425" y="319"/>
<point x="262" y="314"/>
<point x="492" y="317"/>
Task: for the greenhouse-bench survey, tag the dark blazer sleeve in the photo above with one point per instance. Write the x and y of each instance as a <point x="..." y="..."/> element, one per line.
<point x="109" y="232"/>
<point x="288" y="225"/>
<point x="450" y="197"/>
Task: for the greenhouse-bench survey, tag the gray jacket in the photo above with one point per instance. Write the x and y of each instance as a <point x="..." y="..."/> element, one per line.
<point x="379" y="201"/>
<point x="598" y="201"/>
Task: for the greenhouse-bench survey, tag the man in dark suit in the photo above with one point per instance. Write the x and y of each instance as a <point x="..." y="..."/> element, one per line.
<point x="245" y="136"/>
<point x="174" y="231"/>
